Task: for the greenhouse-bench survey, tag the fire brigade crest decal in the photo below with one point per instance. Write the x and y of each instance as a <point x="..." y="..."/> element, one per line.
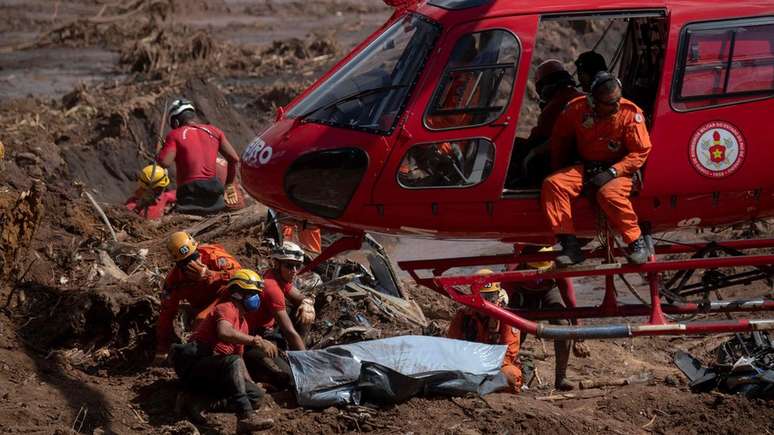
<point x="717" y="149"/>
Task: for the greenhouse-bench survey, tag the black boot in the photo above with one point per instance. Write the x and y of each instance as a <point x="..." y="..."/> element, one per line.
<point x="638" y="251"/>
<point x="571" y="251"/>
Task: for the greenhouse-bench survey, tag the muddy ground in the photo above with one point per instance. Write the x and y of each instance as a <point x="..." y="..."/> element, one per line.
<point x="82" y="86"/>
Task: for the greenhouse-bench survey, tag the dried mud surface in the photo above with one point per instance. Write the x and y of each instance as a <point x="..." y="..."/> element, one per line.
<point x="78" y="309"/>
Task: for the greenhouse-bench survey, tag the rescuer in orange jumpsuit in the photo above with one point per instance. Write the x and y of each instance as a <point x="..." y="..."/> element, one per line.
<point x="469" y="325"/>
<point x="200" y="275"/>
<point x="609" y="134"/>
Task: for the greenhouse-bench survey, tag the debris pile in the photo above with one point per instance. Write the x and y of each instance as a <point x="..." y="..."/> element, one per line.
<point x="352" y="305"/>
<point x="744" y="365"/>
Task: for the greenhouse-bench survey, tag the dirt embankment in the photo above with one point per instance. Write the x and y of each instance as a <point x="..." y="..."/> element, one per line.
<point x="76" y="330"/>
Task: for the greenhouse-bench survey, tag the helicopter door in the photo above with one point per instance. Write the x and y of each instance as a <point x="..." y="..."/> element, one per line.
<point x="451" y="151"/>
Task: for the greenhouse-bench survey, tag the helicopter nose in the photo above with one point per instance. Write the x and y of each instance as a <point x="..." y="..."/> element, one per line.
<point x="287" y="177"/>
<point x="260" y="169"/>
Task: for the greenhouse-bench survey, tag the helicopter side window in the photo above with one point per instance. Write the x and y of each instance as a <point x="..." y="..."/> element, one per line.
<point x="725" y="63"/>
<point x="461" y="163"/>
<point x="476" y="86"/>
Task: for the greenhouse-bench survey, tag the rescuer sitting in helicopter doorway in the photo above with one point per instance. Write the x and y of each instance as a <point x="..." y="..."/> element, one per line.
<point x="556" y="88"/>
<point x="608" y="133"/>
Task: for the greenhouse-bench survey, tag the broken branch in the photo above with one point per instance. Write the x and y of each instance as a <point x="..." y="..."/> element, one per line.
<point x="102" y="215"/>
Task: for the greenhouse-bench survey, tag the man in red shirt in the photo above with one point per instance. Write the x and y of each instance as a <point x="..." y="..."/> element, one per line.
<point x="152" y="200"/>
<point x="470" y="325"/>
<point x="193" y="147"/>
<point x="211" y="362"/>
<point x="273" y="314"/>
<point x="199" y="275"/>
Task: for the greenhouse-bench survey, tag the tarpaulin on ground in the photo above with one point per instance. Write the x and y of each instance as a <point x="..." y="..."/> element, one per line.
<point x="392" y="370"/>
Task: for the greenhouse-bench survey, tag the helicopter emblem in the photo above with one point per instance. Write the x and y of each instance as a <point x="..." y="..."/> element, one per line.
<point x="717" y="149"/>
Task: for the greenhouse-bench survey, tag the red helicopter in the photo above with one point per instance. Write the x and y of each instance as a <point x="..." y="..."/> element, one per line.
<point x="359" y="150"/>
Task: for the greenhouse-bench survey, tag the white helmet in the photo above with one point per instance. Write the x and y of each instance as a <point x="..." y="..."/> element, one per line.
<point x="179" y="106"/>
<point x="289" y="251"/>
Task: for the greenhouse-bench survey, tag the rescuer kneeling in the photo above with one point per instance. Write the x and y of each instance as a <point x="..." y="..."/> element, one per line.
<point x="211" y="362"/>
<point x="608" y="133"/>
<point x="470" y="325"/>
<point x="152" y="200"/>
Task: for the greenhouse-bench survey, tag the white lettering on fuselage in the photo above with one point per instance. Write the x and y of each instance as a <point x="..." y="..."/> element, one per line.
<point x="257" y="153"/>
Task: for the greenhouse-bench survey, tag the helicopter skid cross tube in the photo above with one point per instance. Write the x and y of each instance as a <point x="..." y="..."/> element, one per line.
<point x="620" y="330"/>
<point x="657" y="324"/>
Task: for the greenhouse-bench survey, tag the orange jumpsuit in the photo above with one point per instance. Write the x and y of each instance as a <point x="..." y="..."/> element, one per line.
<point x="203" y="295"/>
<point x="462" y="93"/>
<point x="620" y="141"/>
<point x="309" y="237"/>
<point x="470" y="326"/>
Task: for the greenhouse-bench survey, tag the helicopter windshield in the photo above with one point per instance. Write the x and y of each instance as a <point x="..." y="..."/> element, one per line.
<point x="370" y="91"/>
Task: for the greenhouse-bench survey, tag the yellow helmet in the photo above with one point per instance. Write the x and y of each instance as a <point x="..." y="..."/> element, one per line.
<point x="542" y="266"/>
<point x="491" y="287"/>
<point x="500" y="296"/>
<point x="246" y="279"/>
<point x="153" y="176"/>
<point x="181" y="245"/>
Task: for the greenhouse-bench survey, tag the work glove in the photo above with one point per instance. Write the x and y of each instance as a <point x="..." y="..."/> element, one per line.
<point x="580" y="350"/>
<point x="196" y="270"/>
<point x="231" y="196"/>
<point x="305" y="312"/>
<point x="603" y="177"/>
<point x="269" y="349"/>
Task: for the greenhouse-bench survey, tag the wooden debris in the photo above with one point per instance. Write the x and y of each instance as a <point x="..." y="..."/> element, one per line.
<point x="395" y="307"/>
<point x="641" y="378"/>
<point x="586" y="394"/>
<point x="215" y="226"/>
<point x="102" y="215"/>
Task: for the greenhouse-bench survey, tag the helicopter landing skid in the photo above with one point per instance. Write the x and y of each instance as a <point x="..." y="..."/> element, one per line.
<point x="465" y="289"/>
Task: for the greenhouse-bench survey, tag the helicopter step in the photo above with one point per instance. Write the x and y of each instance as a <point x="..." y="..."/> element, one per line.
<point x="465" y="289"/>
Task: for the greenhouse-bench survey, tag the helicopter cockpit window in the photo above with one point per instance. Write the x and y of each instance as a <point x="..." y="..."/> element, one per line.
<point x="370" y="91"/>
<point x="726" y="62"/>
<point x="461" y="163"/>
<point x="477" y="83"/>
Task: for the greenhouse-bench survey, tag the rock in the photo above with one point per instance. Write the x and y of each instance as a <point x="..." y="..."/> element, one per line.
<point x="672" y="380"/>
